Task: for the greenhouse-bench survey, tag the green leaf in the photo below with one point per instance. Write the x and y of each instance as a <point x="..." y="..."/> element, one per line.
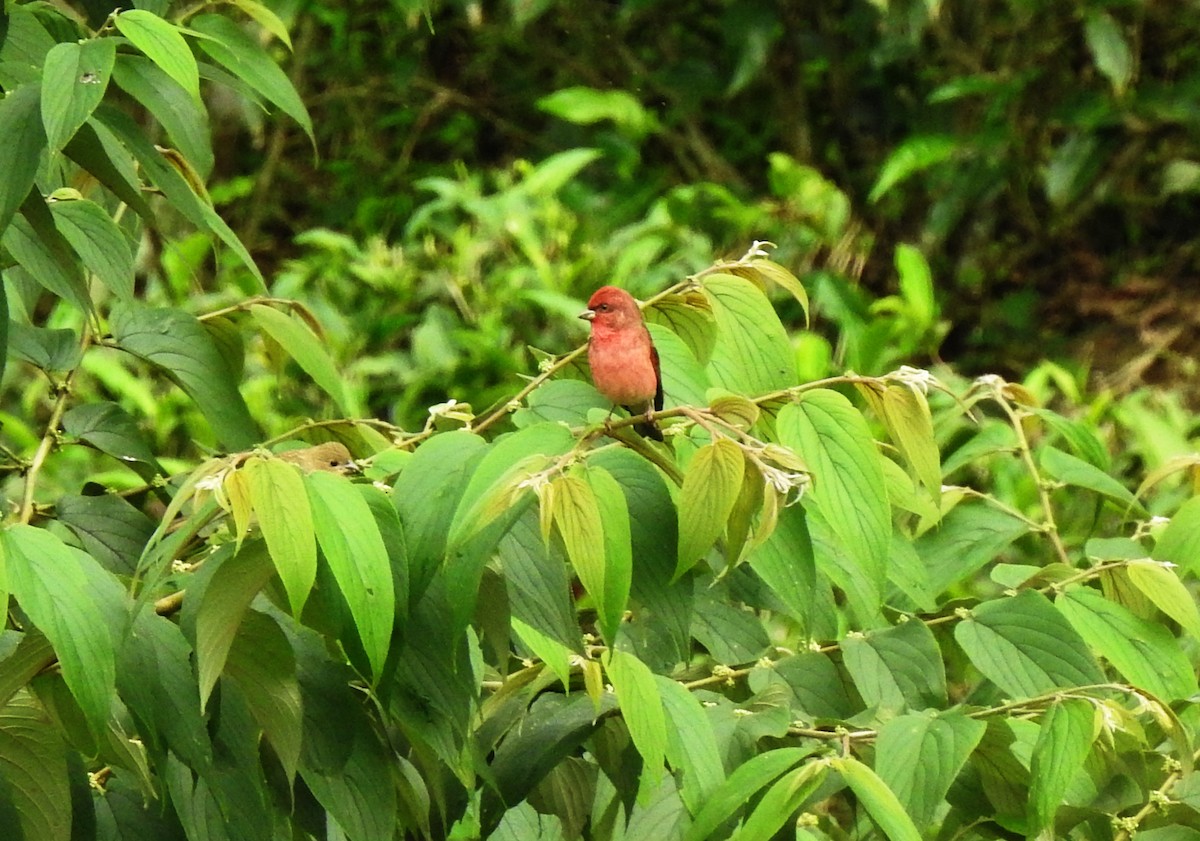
<point x="304" y="346"/>
<point x="157" y="682"/>
<point x="1025" y="646"/>
<point x="265" y="18"/>
<point x="229" y="45"/>
<point x="535" y="574"/>
<point x="177" y="189"/>
<point x="113" y="431"/>
<point x="832" y="438"/>
<point x="281" y="502"/>
<point x="915" y="154"/>
<point x="967" y="538"/>
<point x="618" y="553"/>
<point x="1109" y="49"/>
<point x="731" y="635"/>
<point x="781" y="801"/>
<point x="494" y="486"/>
<point x="898" y="667"/>
<point x="641" y="707"/>
<point x="580" y="523"/>
<point x="752" y="355"/>
<point x="74" y="78"/>
<point x="32" y="654"/>
<point x="691" y="744"/>
<point x="96" y="150"/>
<point x="880" y="801"/>
<point x="786" y="565"/>
<point x="1159" y="583"/>
<point x="162" y="43"/>
<point x="1080" y="438"/>
<point x="553" y="728"/>
<point x="262" y="664"/>
<point x="684" y="380"/>
<point x="22" y="137"/>
<point x="916" y="285"/>
<point x="690" y="317"/>
<point x="239" y="578"/>
<point x="740" y="786"/>
<point x="560" y="401"/>
<point x="1064" y="742"/>
<point x="555" y="171"/>
<point x="426" y="494"/>
<point x="1179" y="542"/>
<point x="586" y="106"/>
<point x="821" y="690"/>
<point x="919" y="755"/>
<point x="184" y="119"/>
<point x="44" y="348"/>
<point x="1069" y="470"/>
<point x="1144" y="652"/>
<point x="37" y="246"/>
<point x="710" y="488"/>
<point x="905" y="413"/>
<point x="354" y="548"/>
<point x="109" y="528"/>
<point x="98" y="241"/>
<point x="182" y="349"/>
<point x="34" y="771"/>
<point x="50" y="582"/>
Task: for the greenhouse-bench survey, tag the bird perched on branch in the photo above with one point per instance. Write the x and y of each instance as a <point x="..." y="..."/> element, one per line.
<point x="624" y="362"/>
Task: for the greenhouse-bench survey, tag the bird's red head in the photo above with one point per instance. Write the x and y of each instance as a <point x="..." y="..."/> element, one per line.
<point x="612" y="308"/>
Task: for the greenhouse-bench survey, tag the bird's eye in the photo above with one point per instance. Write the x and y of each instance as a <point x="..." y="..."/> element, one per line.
<point x="602" y="308"/>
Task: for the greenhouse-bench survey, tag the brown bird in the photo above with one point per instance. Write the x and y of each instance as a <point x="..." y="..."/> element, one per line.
<point x="622" y="356"/>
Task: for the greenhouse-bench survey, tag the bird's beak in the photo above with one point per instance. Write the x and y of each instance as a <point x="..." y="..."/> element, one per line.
<point x="587" y="315"/>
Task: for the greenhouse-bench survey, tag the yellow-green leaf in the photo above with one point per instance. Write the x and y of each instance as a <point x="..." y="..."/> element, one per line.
<point x="281" y="502"/>
<point x="308" y="349"/>
<point x="641" y="707"/>
<point x="162" y="43"/>
<point x="710" y="489"/>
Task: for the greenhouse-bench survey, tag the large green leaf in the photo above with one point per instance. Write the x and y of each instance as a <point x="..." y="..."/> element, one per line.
<point x="181" y="348"/>
<point x="34" y="771"/>
<point x="740" y="786"/>
<point x="52" y="586"/>
<point x="1064" y="741"/>
<point x="184" y="119"/>
<point x="426" y="495"/>
<point x="752" y="355"/>
<point x="263" y="666"/>
<point x="1144" y="652"/>
<point x="553" y="727"/>
<point x="710" y="488"/>
<point x="896" y="668"/>
<point x="356" y="553"/>
<point x="781" y="801"/>
<point x="683" y="377"/>
<point x="618" y="554"/>
<point x="37" y="246"/>
<point x="967" y="538"/>
<point x="905" y="412"/>
<point x="162" y="43"/>
<point x="785" y="563"/>
<point x="74" y="78"/>
<point x="691" y="744"/>
<point x="229" y="45"/>
<point x="281" y="502"/>
<point x="535" y="574"/>
<point x="157" y="682"/>
<point x="97" y="150"/>
<point x="1025" y="646"/>
<point x="22" y="137"/>
<point x="237" y="580"/>
<point x="1179" y="542"/>
<point x="113" y="431"/>
<point x="1159" y="583"/>
<point x="303" y="345"/>
<point x="177" y="189"/>
<point x="109" y="528"/>
<point x="832" y="438"/>
<point x="99" y="243"/>
<point x="881" y="802"/>
<point x="641" y="707"/>
<point x="1069" y="470"/>
<point x="919" y="755"/>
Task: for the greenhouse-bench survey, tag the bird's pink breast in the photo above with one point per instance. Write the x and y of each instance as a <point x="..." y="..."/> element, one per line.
<point x="621" y="366"/>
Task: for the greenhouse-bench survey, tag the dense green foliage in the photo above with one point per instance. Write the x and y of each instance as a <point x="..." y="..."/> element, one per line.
<point x="847" y="598"/>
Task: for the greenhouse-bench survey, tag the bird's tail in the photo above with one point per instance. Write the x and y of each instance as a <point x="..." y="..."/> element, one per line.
<point x="648" y="429"/>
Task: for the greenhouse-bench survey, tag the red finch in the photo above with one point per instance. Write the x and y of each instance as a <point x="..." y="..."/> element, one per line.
<point x="623" y="359"/>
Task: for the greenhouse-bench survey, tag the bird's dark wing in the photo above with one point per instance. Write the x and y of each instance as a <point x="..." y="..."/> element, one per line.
<point x="658" y="392"/>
